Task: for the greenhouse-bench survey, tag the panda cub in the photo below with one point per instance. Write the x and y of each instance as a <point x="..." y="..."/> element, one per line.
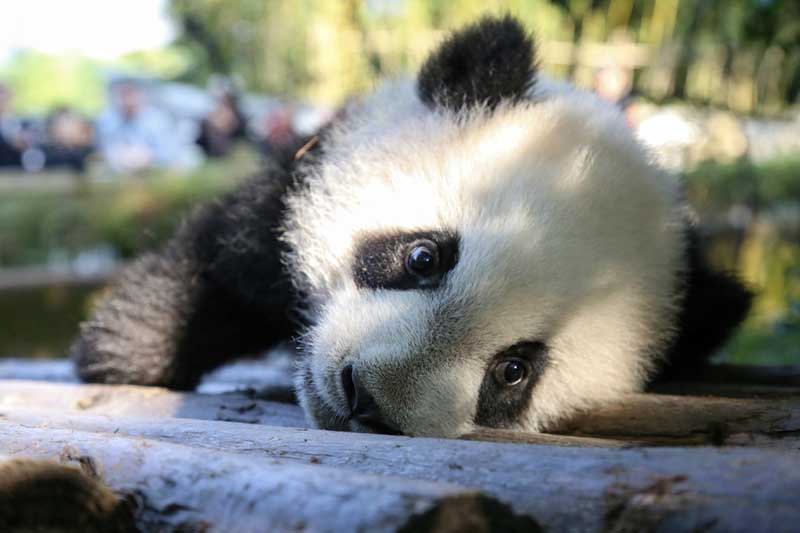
<point x="477" y="247"/>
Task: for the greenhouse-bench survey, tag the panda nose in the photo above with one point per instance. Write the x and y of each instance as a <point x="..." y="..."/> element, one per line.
<point x="362" y="404"/>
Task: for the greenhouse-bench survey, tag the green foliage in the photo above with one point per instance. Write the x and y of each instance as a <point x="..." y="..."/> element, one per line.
<point x="25" y="311"/>
<point x="167" y="63"/>
<point x="326" y="51"/>
<point x="766" y="343"/>
<point x="766" y="256"/>
<point x="713" y="187"/>
<point x="42" y="82"/>
<point x="261" y="41"/>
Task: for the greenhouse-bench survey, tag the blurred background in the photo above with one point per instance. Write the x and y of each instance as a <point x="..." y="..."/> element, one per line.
<point x="116" y="117"/>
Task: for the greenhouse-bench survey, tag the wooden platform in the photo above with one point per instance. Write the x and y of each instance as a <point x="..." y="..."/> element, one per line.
<point x="702" y="456"/>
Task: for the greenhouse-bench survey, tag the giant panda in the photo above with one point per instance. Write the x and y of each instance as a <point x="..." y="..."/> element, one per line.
<point x="478" y="247"/>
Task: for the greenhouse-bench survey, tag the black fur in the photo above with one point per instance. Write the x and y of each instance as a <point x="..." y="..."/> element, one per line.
<point x="500" y="406"/>
<point x="380" y="260"/>
<point x="484" y="63"/>
<point x="216" y="291"/>
<point x="714" y="304"/>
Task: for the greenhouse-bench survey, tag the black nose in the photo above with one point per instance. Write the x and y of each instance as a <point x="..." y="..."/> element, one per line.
<point x="361" y="402"/>
<point x="363" y="406"/>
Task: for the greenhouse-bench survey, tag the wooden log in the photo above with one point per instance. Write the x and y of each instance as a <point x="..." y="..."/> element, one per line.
<point x="563" y="488"/>
<point x="152" y="402"/>
<point x="195" y="489"/>
<point x="269" y="377"/>
<point x="523" y="437"/>
<point x="642" y="419"/>
<point x="688" y="420"/>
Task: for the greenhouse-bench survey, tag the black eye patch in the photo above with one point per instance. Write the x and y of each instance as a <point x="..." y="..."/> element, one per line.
<point x="499" y="404"/>
<point x="405" y="261"/>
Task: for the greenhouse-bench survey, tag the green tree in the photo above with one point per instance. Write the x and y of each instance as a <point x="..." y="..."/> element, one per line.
<point x="42" y="82"/>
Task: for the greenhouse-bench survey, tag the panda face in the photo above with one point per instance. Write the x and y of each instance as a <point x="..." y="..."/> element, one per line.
<point x="503" y="263"/>
<point x="499" y="269"/>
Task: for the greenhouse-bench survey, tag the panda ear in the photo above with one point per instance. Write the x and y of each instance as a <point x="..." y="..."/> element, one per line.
<point x="484" y="63"/>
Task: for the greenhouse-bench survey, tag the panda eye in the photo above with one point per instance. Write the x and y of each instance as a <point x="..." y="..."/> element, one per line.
<point x="417" y="260"/>
<point x="510" y="372"/>
<point x="422" y="259"/>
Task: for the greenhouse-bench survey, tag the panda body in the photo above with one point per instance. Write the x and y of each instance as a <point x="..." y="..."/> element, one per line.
<point x="476" y="247"/>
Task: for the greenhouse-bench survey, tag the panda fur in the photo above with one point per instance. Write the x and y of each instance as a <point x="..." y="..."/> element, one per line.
<point x="561" y="253"/>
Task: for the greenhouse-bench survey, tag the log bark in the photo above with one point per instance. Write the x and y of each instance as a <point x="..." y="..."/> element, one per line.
<point x="201" y="469"/>
<point x="196" y="489"/>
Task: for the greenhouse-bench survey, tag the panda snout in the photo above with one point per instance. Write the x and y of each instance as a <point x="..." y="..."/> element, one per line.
<point x="363" y="408"/>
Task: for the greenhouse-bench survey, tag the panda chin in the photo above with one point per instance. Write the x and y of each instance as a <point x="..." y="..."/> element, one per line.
<point x="366" y="426"/>
<point x="322" y="415"/>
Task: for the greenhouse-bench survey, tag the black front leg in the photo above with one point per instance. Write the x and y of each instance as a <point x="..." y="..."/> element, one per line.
<point x="216" y="291"/>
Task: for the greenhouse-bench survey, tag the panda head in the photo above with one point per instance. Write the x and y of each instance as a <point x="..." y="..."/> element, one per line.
<point x="480" y="247"/>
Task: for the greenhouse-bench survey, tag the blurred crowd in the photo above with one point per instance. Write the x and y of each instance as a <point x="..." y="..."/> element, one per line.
<point x="134" y="134"/>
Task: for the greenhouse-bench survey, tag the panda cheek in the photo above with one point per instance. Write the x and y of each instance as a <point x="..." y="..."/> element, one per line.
<point x="318" y="376"/>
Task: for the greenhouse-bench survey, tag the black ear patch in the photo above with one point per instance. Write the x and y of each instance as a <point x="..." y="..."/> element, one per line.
<point x="486" y="62"/>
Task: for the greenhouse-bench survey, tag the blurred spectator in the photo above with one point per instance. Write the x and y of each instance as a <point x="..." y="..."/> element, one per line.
<point x="279" y="130"/>
<point x="69" y="140"/>
<point x="12" y="142"/>
<point x="68" y="129"/>
<point x="134" y="136"/>
<point x="222" y="126"/>
<point x="614" y="83"/>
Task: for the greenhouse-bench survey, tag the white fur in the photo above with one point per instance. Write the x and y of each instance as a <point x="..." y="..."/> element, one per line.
<point x="569" y="235"/>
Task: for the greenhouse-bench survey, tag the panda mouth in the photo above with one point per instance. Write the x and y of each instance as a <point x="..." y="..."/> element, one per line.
<point x="327" y="416"/>
<point x="367" y="425"/>
<point x="364" y="412"/>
